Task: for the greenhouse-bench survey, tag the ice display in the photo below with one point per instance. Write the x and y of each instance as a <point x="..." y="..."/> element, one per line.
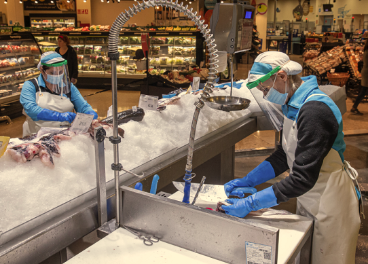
<point x="31" y="189"/>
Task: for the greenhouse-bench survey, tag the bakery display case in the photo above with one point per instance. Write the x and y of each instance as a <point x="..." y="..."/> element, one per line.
<point x="19" y="55"/>
<point x="168" y="51"/>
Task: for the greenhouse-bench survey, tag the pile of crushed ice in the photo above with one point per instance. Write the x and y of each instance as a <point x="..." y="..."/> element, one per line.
<point x="30" y="189"/>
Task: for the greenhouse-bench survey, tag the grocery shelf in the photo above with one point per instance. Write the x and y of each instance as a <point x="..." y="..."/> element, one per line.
<point x="17" y="67"/>
<point x="19" y="81"/>
<point x="14" y="54"/>
<point x="9" y="98"/>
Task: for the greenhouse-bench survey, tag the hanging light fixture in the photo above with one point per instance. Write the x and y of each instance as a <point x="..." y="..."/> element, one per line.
<point x="5" y="1"/>
<point x="85" y="1"/>
<point x="52" y="1"/>
<point x="102" y="1"/>
<point x="36" y="2"/>
<point x="108" y="1"/>
<point x="118" y="1"/>
<point x="20" y="2"/>
<point x="68" y="1"/>
<point x="190" y="3"/>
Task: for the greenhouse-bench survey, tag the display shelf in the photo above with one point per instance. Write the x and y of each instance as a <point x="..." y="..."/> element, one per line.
<point x="17" y="54"/>
<point x="17" y="67"/>
<point x="10" y="98"/>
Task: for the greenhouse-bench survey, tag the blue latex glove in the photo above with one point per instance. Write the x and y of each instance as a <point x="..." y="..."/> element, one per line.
<point x="262" y="173"/>
<point x="49" y="115"/>
<point x="92" y="113"/>
<point x="235" y="85"/>
<point x="241" y="207"/>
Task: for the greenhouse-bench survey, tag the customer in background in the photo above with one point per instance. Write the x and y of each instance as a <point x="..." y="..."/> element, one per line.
<point x="69" y="54"/>
<point x="364" y="82"/>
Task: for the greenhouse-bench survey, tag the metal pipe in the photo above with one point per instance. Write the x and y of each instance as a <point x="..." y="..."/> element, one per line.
<point x="231" y="73"/>
<point x="100" y="135"/>
<point x="114" y="83"/>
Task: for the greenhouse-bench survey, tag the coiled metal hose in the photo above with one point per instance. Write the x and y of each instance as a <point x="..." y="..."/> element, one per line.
<point x="211" y="46"/>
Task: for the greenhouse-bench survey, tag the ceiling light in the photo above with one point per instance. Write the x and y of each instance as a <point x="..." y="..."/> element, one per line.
<point x="118" y="1"/>
<point x="5" y="1"/>
<point x="20" y="2"/>
<point x="68" y="1"/>
<point x="108" y="1"/>
<point x="36" y="2"/>
<point x="190" y="3"/>
<point x="52" y="1"/>
<point x="222" y="1"/>
<point x="102" y="1"/>
<point x="85" y="1"/>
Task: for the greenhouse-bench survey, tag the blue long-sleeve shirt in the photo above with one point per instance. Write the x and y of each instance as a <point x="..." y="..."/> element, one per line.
<point x="28" y="99"/>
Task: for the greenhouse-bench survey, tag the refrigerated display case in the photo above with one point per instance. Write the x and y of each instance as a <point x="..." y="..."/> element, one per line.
<point x="168" y="51"/>
<point x="19" y="55"/>
<point x="52" y="20"/>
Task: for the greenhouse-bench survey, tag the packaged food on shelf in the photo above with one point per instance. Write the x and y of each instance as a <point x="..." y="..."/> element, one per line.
<point x="134" y="40"/>
<point x="93" y="58"/>
<point x="80" y="58"/>
<point x="79" y="66"/>
<point x="179" y="61"/>
<point x="178" y="41"/>
<point x="122" y="49"/>
<point x="88" y="49"/>
<point x="93" y="68"/>
<point x="187" y="41"/>
<point x="97" y="49"/>
<point x="121" y="69"/>
<point x="170" y="40"/>
<point x="158" y="40"/>
<point x="124" y="40"/>
<point x="155" y="50"/>
<point x="100" y="59"/>
<point x="178" y="51"/>
<point x="155" y="61"/>
<point x="163" y="60"/>
<point x="85" y="67"/>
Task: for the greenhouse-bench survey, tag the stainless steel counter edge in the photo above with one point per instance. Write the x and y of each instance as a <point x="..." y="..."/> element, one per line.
<point x="47" y="234"/>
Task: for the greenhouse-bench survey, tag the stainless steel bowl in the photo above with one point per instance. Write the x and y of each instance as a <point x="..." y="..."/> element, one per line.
<point x="227" y="103"/>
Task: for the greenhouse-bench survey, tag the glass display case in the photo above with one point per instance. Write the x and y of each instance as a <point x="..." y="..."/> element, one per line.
<point x="52" y="21"/>
<point x="19" y="55"/>
<point x="168" y="51"/>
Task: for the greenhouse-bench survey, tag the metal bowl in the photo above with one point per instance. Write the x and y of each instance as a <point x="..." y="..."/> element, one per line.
<point x="227" y="103"/>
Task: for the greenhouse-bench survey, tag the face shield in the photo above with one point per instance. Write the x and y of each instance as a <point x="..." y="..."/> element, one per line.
<point x="57" y="77"/>
<point x="261" y="93"/>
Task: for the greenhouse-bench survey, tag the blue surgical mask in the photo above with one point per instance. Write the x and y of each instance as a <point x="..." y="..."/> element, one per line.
<point x="275" y="96"/>
<point x="55" y="79"/>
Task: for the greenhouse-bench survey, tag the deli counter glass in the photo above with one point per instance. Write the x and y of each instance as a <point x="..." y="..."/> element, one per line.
<point x="168" y="51"/>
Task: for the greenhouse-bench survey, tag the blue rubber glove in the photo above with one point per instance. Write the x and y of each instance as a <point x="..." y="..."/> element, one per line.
<point x="241" y="207"/>
<point x="49" y="115"/>
<point x="92" y="113"/>
<point x="262" y="173"/>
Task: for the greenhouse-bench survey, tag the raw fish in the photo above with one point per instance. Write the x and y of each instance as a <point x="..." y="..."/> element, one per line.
<point x="126" y="116"/>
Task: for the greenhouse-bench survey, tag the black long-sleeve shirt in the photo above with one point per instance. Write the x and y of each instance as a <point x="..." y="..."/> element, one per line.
<point x="317" y="131"/>
<point x="71" y="57"/>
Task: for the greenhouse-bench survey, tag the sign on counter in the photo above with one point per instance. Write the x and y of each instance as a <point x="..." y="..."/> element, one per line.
<point x="81" y="123"/>
<point x="148" y="102"/>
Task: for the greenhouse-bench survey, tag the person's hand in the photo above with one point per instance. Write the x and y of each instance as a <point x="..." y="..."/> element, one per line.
<point x="67" y="116"/>
<point x="74" y="81"/>
<point x="242" y="207"/>
<point x="262" y="173"/>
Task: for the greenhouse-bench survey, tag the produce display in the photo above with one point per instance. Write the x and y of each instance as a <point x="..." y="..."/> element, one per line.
<point x="106" y="28"/>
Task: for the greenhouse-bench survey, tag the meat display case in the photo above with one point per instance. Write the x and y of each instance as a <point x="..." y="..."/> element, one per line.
<point x="19" y="55"/>
<point x="168" y="51"/>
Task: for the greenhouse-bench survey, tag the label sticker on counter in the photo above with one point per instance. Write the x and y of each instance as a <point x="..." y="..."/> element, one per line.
<point x="258" y="253"/>
<point x="81" y="123"/>
<point x="148" y="102"/>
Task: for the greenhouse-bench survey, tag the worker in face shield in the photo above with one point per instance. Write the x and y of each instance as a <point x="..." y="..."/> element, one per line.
<point x="49" y="100"/>
<point x="312" y="148"/>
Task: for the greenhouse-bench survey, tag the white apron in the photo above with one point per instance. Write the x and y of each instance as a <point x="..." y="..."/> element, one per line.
<point x="332" y="203"/>
<point x="49" y="101"/>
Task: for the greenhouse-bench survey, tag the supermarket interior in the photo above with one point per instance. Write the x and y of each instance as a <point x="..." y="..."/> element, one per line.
<point x="167" y="59"/>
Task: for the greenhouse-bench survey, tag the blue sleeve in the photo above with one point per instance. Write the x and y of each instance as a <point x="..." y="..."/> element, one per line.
<point x="80" y="105"/>
<point x="28" y="100"/>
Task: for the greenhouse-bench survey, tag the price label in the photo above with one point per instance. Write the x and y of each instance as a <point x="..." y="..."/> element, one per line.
<point x="196" y="81"/>
<point x="148" y="102"/>
<point x="3" y="144"/>
<point x="81" y="123"/>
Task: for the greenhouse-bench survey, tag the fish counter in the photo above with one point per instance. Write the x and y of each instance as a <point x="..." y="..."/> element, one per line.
<point x="45" y="208"/>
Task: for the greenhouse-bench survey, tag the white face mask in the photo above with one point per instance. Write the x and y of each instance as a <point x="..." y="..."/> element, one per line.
<point x="275" y="96"/>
